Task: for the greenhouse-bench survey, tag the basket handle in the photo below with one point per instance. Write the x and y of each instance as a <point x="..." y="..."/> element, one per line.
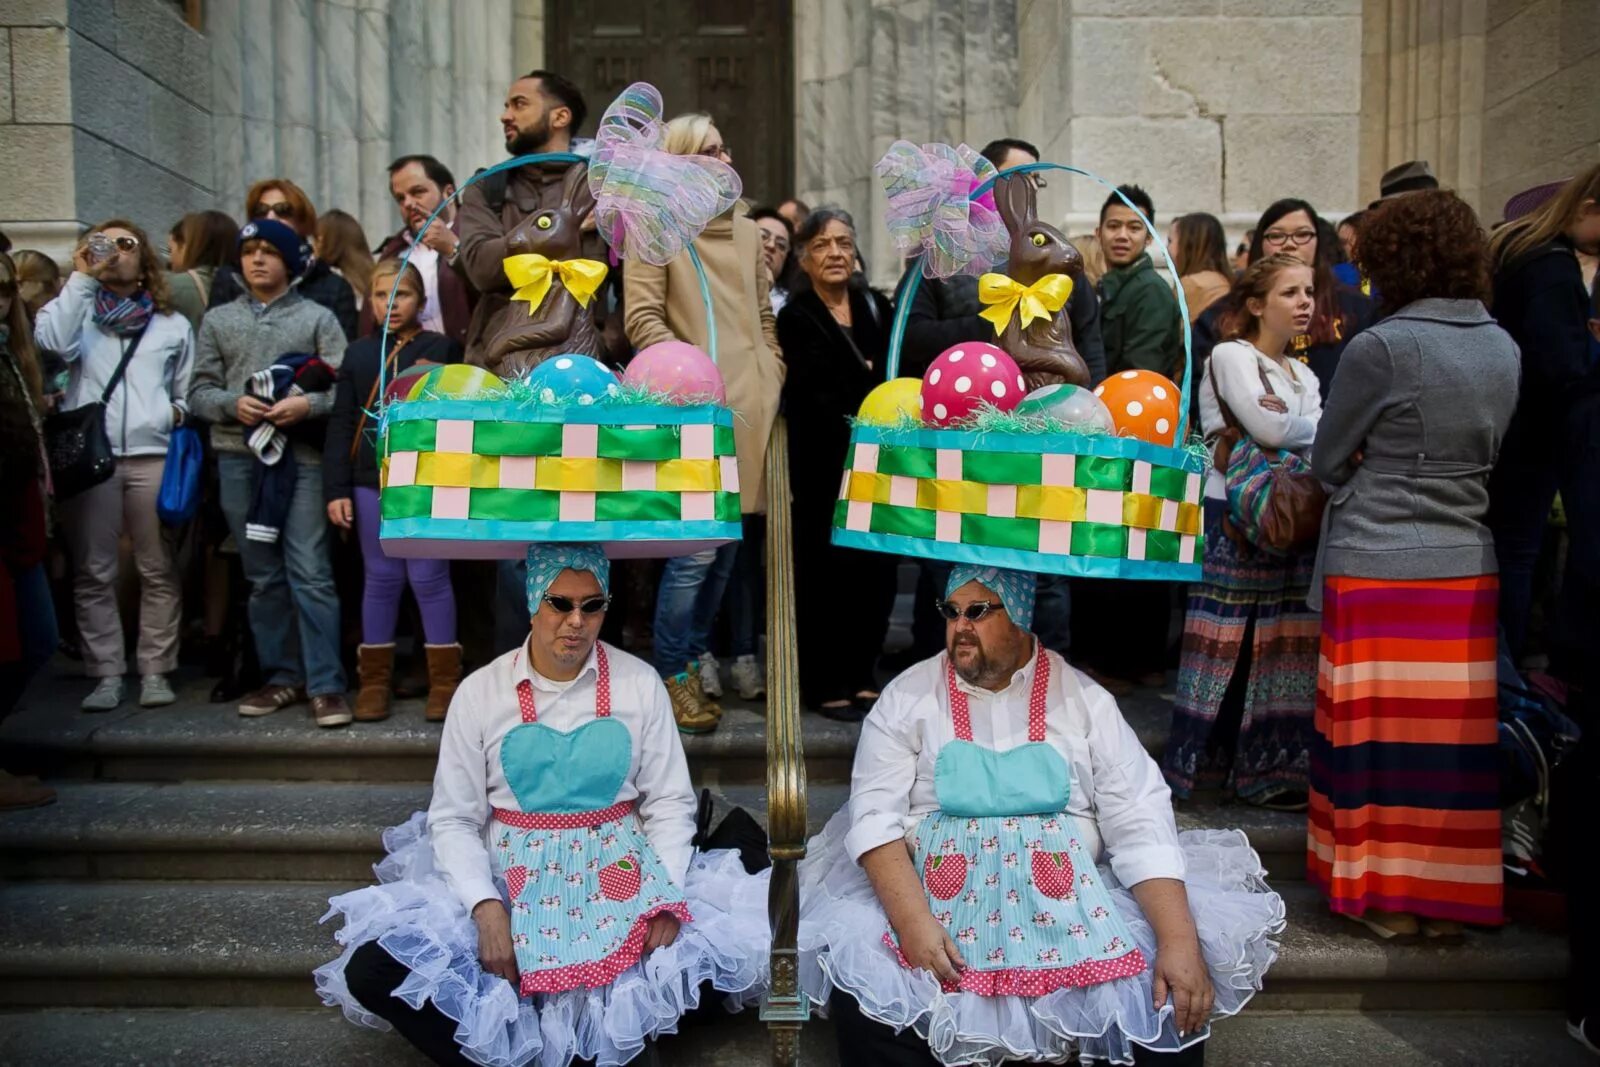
<point x="908" y="290"/>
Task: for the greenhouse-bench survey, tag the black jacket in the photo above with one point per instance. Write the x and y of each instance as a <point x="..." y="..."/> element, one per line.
<point x="1540" y="301"/>
<point x="945" y="313"/>
<point x="319" y="284"/>
<point x="827" y="378"/>
<point x="357" y="376"/>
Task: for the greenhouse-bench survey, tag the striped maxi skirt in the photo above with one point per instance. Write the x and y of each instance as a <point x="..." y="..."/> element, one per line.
<point x="1405" y="813"/>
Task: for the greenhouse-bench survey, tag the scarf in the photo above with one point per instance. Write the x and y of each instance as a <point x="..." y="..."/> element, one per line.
<point x="123" y="315"/>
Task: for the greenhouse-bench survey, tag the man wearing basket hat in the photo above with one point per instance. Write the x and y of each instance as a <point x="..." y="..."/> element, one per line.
<point x="1007" y="881"/>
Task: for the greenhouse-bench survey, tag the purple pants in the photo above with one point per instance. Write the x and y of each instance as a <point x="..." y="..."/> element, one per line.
<point x="386" y="579"/>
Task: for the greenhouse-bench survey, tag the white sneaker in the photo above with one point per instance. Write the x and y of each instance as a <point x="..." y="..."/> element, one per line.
<point x="747" y="679"/>
<point x="106" y="695"/>
<point x="710" y="677"/>
<point x="156" y="692"/>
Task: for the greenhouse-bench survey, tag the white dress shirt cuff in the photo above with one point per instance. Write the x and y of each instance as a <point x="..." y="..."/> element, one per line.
<point x="1135" y="865"/>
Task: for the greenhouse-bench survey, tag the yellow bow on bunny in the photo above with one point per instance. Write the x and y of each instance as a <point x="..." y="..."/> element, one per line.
<point x="530" y="274"/>
<point x="1005" y="296"/>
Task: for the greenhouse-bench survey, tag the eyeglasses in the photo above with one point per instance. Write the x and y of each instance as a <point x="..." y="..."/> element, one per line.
<point x="565" y="605"/>
<point x="1277" y="238"/>
<point x="773" y="240"/>
<point x="974" y="612"/>
<point x="282" y="210"/>
<point x="716" y="151"/>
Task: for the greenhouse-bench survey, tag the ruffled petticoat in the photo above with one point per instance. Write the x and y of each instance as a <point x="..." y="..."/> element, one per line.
<point x="415" y="917"/>
<point x="841" y="944"/>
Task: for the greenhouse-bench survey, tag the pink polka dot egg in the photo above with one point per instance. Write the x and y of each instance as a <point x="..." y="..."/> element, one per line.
<point x="965" y="376"/>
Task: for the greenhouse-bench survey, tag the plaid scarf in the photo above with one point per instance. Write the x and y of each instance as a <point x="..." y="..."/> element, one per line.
<point x="123" y="315"/>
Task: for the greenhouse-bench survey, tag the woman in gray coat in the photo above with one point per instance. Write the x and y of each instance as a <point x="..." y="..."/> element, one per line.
<point x="1405" y="824"/>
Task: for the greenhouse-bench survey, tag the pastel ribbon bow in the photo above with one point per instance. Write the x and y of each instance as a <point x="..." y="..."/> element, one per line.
<point x="1004" y="296"/>
<point x="531" y="273"/>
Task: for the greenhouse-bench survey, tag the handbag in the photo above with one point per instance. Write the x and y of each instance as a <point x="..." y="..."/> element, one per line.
<point x="76" y="442"/>
<point x="179" y="497"/>
<point x="1275" y="503"/>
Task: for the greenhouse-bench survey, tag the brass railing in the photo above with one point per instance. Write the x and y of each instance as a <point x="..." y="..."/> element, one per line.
<point x="784" y="1009"/>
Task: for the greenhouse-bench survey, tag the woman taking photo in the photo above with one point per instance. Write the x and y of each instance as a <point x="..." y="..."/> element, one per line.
<point x="1405" y="813"/>
<point x="1247" y="681"/>
<point x="1200" y="250"/>
<point x="115" y="311"/>
<point x="350" y="486"/>
<point x="664" y="304"/>
<point x="835" y="337"/>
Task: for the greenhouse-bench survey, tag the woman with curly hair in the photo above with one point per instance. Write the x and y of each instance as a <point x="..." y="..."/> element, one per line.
<point x="1404" y="830"/>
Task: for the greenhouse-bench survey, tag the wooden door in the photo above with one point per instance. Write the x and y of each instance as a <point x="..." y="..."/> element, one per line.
<point x="731" y="58"/>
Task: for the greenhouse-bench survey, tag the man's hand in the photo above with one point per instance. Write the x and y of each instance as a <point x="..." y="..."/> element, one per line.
<point x="1180" y="971"/>
<point x="1274" y="403"/>
<point x="929" y="946"/>
<point x="288" y="411"/>
<point x="341" y="512"/>
<point x="250" y="410"/>
<point x="662" y="931"/>
<point x="494" y="940"/>
<point x="440" y="238"/>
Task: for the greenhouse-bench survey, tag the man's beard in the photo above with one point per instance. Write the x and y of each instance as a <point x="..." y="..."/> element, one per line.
<point x="975" y="671"/>
<point x="529" y="141"/>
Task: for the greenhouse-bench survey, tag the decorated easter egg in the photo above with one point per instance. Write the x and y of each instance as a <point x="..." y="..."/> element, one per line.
<point x="1070" y="404"/>
<point x="966" y="375"/>
<point x="1143" y="404"/>
<point x="400" y="385"/>
<point x="573" y="379"/>
<point x="455" y="381"/>
<point x="892" y="403"/>
<point x="680" y="371"/>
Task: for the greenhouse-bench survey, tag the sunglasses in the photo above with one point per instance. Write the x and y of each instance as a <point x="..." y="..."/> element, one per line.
<point x="974" y="612"/>
<point x="565" y="605"/>
<point x="282" y="210"/>
<point x="123" y="243"/>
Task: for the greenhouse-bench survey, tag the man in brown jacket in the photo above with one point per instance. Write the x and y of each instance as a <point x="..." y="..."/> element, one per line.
<point x="543" y="112"/>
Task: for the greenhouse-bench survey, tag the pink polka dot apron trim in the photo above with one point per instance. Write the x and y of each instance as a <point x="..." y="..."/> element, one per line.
<point x="604" y="971"/>
<point x="961" y="713"/>
<point x="602" y="688"/>
<point x="1030" y="982"/>
<point x="577" y="820"/>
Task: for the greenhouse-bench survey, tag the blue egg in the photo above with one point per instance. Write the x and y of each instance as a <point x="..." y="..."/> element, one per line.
<point x="573" y="379"/>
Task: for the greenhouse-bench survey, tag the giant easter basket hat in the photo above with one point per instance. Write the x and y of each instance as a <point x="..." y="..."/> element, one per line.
<point x="1088" y="504"/>
<point x="481" y="476"/>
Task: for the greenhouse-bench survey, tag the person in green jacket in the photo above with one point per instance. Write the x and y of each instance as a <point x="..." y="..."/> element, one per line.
<point x="1139" y="320"/>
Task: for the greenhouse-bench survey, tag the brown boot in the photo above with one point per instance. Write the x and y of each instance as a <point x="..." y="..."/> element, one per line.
<point x="444" y="674"/>
<point x="376" y="670"/>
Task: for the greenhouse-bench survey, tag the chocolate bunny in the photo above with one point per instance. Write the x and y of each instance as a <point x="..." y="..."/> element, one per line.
<point x="558" y="325"/>
<point x="1043" y="349"/>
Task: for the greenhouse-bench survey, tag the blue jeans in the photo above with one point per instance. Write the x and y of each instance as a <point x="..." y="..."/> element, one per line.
<point x="291" y="581"/>
<point x="36" y="630"/>
<point x="686" y="604"/>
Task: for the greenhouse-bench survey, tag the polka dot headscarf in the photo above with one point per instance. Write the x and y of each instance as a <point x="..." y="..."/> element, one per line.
<point x="1014" y="588"/>
<point x="547" y="561"/>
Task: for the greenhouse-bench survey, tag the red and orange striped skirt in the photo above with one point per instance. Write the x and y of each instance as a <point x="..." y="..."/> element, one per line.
<point x="1405" y="786"/>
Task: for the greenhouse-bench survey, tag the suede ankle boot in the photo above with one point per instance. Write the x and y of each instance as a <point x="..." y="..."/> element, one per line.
<point x="444" y="674"/>
<point x="375" y="666"/>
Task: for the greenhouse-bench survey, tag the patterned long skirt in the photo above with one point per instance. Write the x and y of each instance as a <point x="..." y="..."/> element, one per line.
<point x="1247" y="617"/>
<point x="1405" y="811"/>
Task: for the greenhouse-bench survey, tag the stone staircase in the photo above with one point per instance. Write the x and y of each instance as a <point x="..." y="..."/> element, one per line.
<point x="165" y="910"/>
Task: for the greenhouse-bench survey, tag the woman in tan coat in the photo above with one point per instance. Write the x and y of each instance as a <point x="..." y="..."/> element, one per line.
<point x="664" y="304"/>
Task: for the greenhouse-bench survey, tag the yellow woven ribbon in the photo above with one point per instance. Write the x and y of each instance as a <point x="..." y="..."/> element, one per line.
<point x="531" y="273"/>
<point x="1040" y="300"/>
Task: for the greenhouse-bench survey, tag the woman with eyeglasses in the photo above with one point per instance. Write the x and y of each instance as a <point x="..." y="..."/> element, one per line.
<point x="665" y="304"/>
<point x="835" y="337"/>
<point x="286" y="202"/>
<point x="1292" y="226"/>
<point x="127" y="347"/>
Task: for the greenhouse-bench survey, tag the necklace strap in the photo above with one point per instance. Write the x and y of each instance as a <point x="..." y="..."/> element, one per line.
<point x="602" y="688"/>
<point x="1038" y="698"/>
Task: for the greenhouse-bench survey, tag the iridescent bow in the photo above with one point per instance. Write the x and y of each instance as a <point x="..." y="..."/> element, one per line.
<point x="931" y="211"/>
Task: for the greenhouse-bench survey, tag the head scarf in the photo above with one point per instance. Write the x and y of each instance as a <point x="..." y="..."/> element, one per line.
<point x="546" y="561"/>
<point x="1014" y="588"/>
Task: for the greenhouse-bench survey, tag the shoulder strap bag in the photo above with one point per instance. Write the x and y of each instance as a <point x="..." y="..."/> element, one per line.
<point x="76" y="442"/>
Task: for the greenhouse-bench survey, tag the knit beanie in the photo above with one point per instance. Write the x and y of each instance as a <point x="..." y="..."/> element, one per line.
<point x="280" y="236"/>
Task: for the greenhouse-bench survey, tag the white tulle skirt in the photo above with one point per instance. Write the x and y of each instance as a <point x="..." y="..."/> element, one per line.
<point x="414" y="916"/>
<point x="841" y="944"/>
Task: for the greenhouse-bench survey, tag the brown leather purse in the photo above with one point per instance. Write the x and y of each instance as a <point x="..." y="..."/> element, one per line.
<point x="1275" y="505"/>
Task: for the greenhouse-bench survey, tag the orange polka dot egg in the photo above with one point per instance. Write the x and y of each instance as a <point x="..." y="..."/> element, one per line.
<point x="1143" y="404"/>
<point x="966" y="376"/>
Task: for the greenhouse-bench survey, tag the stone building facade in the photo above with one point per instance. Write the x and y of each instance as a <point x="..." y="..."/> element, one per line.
<point x="120" y="106"/>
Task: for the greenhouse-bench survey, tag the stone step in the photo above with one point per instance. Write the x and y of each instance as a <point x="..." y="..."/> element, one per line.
<point x="166" y="944"/>
<point x="270" y="1037"/>
<point x="316" y="831"/>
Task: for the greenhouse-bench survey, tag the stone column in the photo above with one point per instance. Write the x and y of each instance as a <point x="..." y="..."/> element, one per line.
<point x="377" y="105"/>
<point x="36" y="134"/>
<point x="340" y="174"/>
<point x="294" y="63"/>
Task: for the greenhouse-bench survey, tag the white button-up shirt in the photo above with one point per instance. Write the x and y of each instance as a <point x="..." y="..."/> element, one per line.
<point x="470" y="781"/>
<point x="426" y="260"/>
<point x="1119" y="799"/>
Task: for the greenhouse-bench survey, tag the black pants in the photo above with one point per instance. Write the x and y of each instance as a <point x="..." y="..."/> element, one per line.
<point x="865" y="1042"/>
<point x="843" y="598"/>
